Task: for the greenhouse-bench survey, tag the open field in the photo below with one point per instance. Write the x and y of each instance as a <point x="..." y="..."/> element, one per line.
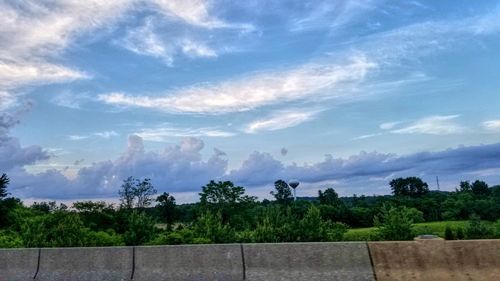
<point x="436" y="228"/>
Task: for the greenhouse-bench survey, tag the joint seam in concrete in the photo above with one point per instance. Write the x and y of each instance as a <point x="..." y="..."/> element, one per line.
<point x="133" y="264"/>
<point x="38" y="263"/>
<point x="371" y="262"/>
<point x="243" y="262"/>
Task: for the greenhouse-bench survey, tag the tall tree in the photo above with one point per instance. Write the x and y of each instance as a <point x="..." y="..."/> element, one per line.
<point x="411" y="186"/>
<point x="328" y="197"/>
<point x="480" y="188"/>
<point x="127" y="193"/>
<point x="144" y="191"/>
<point x="282" y="193"/>
<point x="221" y="193"/>
<point x="167" y="207"/>
<point x="136" y="193"/>
<point x="4" y="181"/>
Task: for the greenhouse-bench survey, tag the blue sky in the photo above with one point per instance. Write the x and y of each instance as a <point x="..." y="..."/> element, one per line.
<point x="346" y="94"/>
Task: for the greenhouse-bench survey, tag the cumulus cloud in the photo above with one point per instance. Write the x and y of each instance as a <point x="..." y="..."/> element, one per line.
<point x="432" y="125"/>
<point x="176" y="168"/>
<point x="181" y="168"/>
<point x="361" y="169"/>
<point x="253" y="91"/>
<point x="12" y="154"/>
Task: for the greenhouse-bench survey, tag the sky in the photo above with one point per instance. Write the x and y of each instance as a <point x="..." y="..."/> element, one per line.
<point x="342" y="94"/>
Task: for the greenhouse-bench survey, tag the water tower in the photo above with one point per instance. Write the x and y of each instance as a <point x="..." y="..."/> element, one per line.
<point x="293" y="184"/>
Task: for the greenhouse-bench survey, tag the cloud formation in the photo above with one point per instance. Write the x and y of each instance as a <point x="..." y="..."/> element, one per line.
<point x="432" y="125"/>
<point x="181" y="168"/>
<point x="281" y="120"/>
<point x="253" y="91"/>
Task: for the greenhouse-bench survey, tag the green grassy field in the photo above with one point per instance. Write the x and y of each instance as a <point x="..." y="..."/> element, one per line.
<point x="436" y="228"/>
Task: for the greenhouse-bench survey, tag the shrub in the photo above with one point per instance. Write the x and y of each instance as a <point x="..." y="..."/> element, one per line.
<point x="395" y="223"/>
<point x="477" y="229"/>
<point x="9" y="239"/>
<point x="140" y="229"/>
<point x="448" y="233"/>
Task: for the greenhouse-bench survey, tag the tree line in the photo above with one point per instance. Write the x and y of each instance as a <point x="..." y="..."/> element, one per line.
<point x="226" y="214"/>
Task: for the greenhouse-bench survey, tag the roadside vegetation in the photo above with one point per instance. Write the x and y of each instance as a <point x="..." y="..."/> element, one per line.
<point x="226" y="214"/>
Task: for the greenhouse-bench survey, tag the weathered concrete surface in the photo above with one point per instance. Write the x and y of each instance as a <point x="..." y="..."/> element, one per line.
<point x="308" y="261"/>
<point x="436" y="260"/>
<point x="189" y="262"/>
<point x="85" y="264"/>
<point x="18" y="264"/>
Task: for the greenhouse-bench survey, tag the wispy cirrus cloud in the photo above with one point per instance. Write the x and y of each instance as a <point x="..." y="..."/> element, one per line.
<point x="281" y="120"/>
<point x="491" y="125"/>
<point x="149" y="41"/>
<point x="254" y="90"/>
<point x="431" y="125"/>
<point x="167" y="131"/>
<point x="104" y="135"/>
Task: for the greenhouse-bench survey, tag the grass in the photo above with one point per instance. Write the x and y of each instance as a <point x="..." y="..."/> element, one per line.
<point x="436" y="228"/>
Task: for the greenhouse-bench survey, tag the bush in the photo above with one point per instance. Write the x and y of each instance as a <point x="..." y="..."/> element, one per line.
<point x="448" y="233"/>
<point x="140" y="229"/>
<point x="58" y="229"/>
<point x="105" y="238"/>
<point x="210" y="227"/>
<point x="395" y="223"/>
<point x="9" y="239"/>
<point x="460" y="233"/>
<point x="477" y="229"/>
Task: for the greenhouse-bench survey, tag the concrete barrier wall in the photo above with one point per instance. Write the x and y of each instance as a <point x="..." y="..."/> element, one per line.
<point x="308" y="261"/>
<point x="85" y="264"/>
<point x="190" y="262"/>
<point x="18" y="264"/>
<point x="436" y="260"/>
<point x="422" y="260"/>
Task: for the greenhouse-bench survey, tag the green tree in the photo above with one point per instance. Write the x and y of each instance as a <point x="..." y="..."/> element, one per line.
<point x="480" y="188"/>
<point x="167" y="207"/>
<point x="312" y="228"/>
<point x="140" y="229"/>
<point x="4" y="182"/>
<point x="395" y="223"/>
<point x="228" y="200"/>
<point x="127" y="193"/>
<point x="411" y="186"/>
<point x="210" y="226"/>
<point x="144" y="192"/>
<point x="328" y="197"/>
<point x="58" y="229"/>
<point x="136" y="193"/>
<point x="282" y="192"/>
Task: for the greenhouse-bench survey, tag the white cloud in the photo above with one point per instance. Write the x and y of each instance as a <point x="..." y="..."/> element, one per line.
<point x="33" y="33"/>
<point x="491" y="125"/>
<point x="104" y="135"/>
<point x="254" y="90"/>
<point x="433" y="125"/>
<point x="17" y="74"/>
<point x="389" y="125"/>
<point x="193" y="12"/>
<point x="366" y="136"/>
<point x="197" y="49"/>
<point x="166" y="131"/>
<point x="146" y="40"/>
<point x="7" y="100"/>
<point x="281" y="120"/>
